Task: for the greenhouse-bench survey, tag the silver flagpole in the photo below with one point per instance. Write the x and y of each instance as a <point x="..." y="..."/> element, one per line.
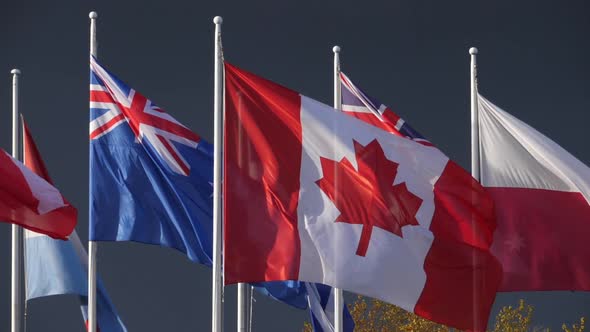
<point x="474" y="117"/>
<point x="92" y="246"/>
<point x="17" y="294"/>
<point x="243" y="307"/>
<point x="217" y="303"/>
<point x="338" y="295"/>
<point x="474" y="153"/>
<point x="251" y="307"/>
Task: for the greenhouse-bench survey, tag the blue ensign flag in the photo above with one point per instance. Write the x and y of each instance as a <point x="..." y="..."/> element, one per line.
<point x="150" y="176"/>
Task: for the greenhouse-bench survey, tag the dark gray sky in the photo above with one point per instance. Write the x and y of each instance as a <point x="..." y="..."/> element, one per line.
<point x="533" y="62"/>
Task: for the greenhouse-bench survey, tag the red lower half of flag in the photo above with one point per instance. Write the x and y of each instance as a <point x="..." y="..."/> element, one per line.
<point x="542" y="239"/>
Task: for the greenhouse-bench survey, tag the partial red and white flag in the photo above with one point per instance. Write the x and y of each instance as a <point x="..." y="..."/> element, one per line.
<point x="541" y="193"/>
<point x="313" y="194"/>
<point x="28" y="200"/>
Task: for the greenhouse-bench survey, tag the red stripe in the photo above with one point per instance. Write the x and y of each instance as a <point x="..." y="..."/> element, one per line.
<point x="542" y="239"/>
<point x="371" y="119"/>
<point x="101" y="97"/>
<point x="107" y="126"/>
<point x="32" y="156"/>
<point x="262" y="164"/>
<point x="137" y="116"/>
<point x="14" y="184"/>
<point x="88" y="328"/>
<point x="459" y="266"/>
<point x="390" y="117"/>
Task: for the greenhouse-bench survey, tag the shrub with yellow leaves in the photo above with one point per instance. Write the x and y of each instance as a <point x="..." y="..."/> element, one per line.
<point x="377" y="316"/>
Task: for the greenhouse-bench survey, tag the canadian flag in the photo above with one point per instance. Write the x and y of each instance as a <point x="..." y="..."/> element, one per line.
<point x="541" y="193"/>
<point x="313" y="194"/>
<point x="31" y="202"/>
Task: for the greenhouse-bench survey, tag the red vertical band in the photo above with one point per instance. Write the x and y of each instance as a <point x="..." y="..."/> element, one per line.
<point x="459" y="265"/>
<point x="262" y="161"/>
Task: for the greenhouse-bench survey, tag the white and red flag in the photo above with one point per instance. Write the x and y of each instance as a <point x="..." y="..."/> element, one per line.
<point x="28" y="200"/>
<point x="541" y="193"/>
<point x="313" y="194"/>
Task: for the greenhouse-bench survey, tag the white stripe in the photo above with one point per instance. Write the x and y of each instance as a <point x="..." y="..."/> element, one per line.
<point x="104" y="105"/>
<point x="314" y="301"/>
<point x="30" y="234"/>
<point x="151" y="134"/>
<point x="97" y="87"/>
<point x="111" y="128"/>
<point x="356" y="109"/>
<point x="111" y="85"/>
<point x="152" y="110"/>
<point x="329" y="308"/>
<point x="104" y="118"/>
<point x="399" y="124"/>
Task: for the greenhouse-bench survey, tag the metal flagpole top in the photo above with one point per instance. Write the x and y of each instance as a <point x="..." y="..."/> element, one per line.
<point x="217" y="20"/>
<point x="15" y="71"/>
<point x="473" y="50"/>
<point x="336" y="49"/>
<point x="93" y="15"/>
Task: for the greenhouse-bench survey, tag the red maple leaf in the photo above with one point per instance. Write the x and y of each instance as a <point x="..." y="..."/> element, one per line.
<point x="368" y="196"/>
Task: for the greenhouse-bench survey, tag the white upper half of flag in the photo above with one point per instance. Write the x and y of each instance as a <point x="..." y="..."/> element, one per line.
<point x="513" y="154"/>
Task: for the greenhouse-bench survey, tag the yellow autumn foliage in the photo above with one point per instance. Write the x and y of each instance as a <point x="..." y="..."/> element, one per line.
<point x="378" y="316"/>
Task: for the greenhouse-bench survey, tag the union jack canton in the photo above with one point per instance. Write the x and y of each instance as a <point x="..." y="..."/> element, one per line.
<point x="147" y="121"/>
<point x="358" y="104"/>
